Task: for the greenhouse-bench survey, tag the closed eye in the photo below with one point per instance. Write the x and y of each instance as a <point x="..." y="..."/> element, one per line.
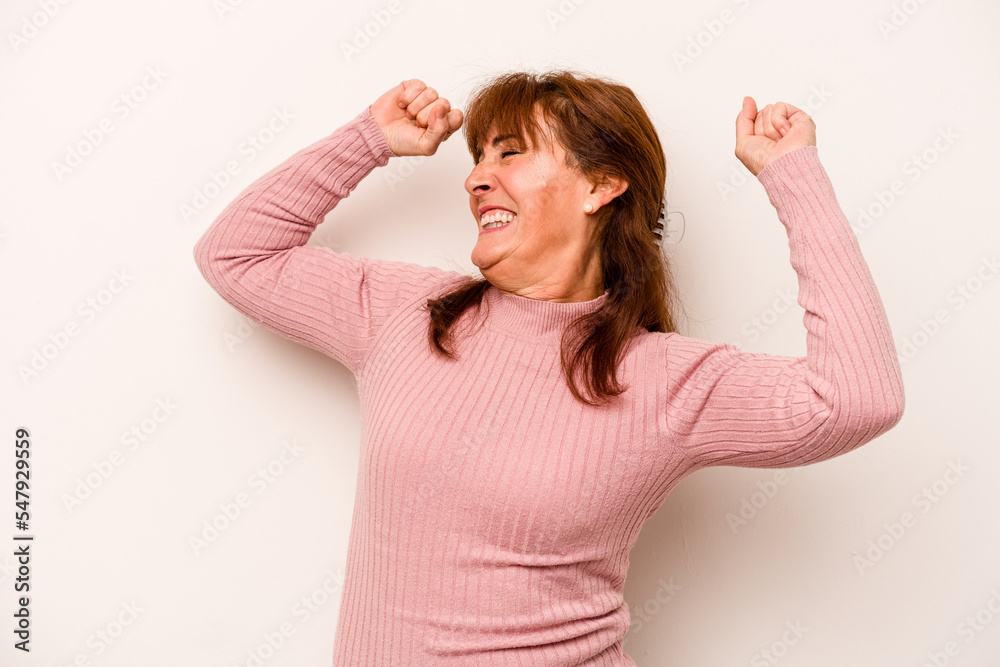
<point x="502" y="155"/>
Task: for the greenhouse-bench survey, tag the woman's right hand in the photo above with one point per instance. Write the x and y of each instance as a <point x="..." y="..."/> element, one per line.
<point x="764" y="136"/>
<point x="414" y="119"/>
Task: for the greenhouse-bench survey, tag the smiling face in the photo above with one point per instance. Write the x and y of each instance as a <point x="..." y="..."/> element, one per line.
<point x="545" y="250"/>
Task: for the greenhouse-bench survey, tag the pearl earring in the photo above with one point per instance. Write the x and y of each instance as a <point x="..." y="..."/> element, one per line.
<point x="588" y="208"/>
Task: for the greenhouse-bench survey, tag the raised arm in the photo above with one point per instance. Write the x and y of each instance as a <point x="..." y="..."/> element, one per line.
<point x="727" y="407"/>
<point x="255" y="254"/>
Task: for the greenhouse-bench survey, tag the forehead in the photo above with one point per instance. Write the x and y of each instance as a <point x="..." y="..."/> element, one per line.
<point x="540" y="134"/>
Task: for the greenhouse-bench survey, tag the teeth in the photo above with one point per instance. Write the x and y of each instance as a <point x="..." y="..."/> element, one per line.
<point x="497" y="216"/>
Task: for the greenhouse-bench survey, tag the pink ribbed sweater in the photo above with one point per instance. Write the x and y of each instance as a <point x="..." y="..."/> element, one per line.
<point x="494" y="513"/>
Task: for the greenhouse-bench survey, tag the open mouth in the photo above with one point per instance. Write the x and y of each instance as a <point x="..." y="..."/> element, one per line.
<point x="497" y="219"/>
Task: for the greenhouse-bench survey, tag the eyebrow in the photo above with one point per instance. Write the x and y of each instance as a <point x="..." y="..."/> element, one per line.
<point x="503" y="137"/>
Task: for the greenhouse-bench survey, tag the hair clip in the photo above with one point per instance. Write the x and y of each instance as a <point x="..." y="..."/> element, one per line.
<point x="658" y="225"/>
<point x="669" y="227"/>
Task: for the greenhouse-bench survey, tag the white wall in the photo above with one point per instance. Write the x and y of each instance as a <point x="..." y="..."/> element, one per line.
<point x="704" y="591"/>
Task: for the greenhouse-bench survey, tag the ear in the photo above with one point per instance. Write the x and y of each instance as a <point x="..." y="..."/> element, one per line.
<point x="608" y="188"/>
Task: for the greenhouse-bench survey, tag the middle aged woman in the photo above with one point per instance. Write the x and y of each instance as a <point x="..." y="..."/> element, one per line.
<point x="517" y="430"/>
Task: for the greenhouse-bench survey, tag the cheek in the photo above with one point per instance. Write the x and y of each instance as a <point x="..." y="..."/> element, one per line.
<point x="543" y="192"/>
<point x="555" y="199"/>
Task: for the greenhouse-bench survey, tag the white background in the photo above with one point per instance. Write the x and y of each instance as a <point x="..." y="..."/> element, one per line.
<point x="886" y="83"/>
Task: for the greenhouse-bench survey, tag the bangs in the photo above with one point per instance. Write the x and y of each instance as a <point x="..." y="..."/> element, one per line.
<point x="507" y="104"/>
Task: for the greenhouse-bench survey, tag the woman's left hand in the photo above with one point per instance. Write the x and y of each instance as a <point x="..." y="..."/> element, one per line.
<point x="764" y="136"/>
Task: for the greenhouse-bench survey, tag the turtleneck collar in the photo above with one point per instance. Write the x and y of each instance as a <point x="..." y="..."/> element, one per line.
<point x="534" y="318"/>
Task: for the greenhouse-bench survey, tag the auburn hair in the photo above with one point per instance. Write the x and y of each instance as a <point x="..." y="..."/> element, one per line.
<point x="605" y="132"/>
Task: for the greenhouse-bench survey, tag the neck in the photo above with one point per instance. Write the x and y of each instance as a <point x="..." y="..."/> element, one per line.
<point x="534" y="319"/>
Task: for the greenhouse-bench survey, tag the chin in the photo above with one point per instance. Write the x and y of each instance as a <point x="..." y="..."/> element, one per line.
<point x="478" y="258"/>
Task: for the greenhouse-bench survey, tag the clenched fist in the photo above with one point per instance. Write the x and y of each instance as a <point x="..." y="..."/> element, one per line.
<point x="414" y="119"/>
<point x="764" y="136"/>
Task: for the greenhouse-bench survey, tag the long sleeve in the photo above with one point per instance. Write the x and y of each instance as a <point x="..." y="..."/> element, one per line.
<point x="727" y="407"/>
<point x="255" y="254"/>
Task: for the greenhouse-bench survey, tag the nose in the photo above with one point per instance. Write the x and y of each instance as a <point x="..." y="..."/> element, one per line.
<point x="480" y="180"/>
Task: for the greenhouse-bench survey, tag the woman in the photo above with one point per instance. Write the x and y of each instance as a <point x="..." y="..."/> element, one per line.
<point x="518" y="431"/>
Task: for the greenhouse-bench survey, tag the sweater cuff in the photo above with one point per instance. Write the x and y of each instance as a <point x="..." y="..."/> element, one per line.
<point x="795" y="175"/>
<point x="795" y="163"/>
<point x="373" y="137"/>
